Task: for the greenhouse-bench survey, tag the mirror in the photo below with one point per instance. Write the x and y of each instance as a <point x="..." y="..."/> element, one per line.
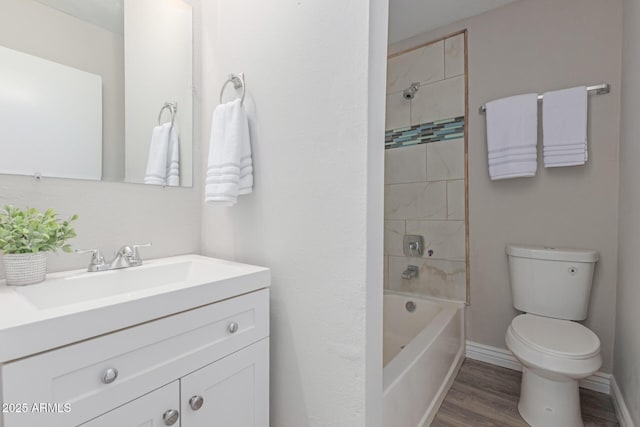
<point x="97" y="90"/>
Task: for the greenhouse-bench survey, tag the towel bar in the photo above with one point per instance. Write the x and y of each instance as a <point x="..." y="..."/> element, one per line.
<point x="600" y="89"/>
<point x="238" y="82"/>
<point x="173" y="109"/>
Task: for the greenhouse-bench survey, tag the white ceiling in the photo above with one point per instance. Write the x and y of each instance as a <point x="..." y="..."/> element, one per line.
<point x="107" y="14"/>
<point x="408" y="18"/>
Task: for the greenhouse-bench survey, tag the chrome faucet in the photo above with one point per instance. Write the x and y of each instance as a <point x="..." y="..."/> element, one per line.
<point x="127" y="256"/>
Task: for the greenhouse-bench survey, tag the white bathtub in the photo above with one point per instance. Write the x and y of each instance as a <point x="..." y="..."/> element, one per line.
<point x="423" y="351"/>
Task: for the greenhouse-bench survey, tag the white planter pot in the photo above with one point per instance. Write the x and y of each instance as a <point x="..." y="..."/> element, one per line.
<point x="25" y="269"/>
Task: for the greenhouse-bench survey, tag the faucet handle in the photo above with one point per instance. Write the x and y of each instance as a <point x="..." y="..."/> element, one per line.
<point x="97" y="255"/>
<point x="97" y="262"/>
<point x="136" y="253"/>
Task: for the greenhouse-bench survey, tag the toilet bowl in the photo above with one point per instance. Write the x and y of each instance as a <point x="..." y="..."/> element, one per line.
<point x="555" y="354"/>
<point x="552" y="287"/>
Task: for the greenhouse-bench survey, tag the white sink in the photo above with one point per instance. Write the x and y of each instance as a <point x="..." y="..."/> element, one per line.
<point x="85" y="287"/>
<point x="78" y="305"/>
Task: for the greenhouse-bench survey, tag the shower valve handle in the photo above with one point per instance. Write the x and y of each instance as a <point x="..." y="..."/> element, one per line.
<point x="415" y="248"/>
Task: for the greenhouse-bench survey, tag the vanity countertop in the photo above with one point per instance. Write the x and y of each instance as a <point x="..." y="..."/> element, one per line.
<point x="38" y="317"/>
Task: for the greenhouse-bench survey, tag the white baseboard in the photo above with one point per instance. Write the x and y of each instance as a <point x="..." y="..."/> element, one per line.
<point x="493" y="355"/>
<point x="622" y="412"/>
<point x="599" y="381"/>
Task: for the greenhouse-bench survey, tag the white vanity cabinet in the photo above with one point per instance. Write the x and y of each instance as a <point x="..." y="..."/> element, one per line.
<point x="204" y="366"/>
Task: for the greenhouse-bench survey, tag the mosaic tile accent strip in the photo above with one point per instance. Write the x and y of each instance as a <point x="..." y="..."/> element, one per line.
<point x="440" y="130"/>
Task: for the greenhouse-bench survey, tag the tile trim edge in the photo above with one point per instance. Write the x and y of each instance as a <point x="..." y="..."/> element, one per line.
<point x="600" y="381"/>
<point x="620" y="406"/>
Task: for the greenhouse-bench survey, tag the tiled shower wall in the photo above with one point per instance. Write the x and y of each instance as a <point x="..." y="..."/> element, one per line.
<point x="424" y="169"/>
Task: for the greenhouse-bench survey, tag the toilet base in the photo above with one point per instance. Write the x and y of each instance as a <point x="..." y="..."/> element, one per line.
<point x="549" y="403"/>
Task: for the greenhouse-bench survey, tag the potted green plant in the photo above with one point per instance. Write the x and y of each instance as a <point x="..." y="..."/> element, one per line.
<point x="25" y="237"/>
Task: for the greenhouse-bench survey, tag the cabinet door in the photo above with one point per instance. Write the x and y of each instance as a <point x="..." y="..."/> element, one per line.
<point x="145" y="411"/>
<point x="234" y="391"/>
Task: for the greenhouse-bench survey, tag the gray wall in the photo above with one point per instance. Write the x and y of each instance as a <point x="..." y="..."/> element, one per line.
<point x="627" y="350"/>
<point x="540" y="45"/>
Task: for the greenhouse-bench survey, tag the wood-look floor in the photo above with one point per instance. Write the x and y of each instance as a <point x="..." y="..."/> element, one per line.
<point x="487" y="395"/>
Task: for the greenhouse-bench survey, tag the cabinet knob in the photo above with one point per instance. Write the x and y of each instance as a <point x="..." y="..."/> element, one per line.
<point x="109" y="375"/>
<point x="196" y="402"/>
<point x="233" y="327"/>
<point x="170" y="417"/>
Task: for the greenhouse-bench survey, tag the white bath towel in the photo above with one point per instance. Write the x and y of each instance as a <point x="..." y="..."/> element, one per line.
<point x="512" y="136"/>
<point x="156" y="173"/>
<point x="230" y="165"/>
<point x="173" y="158"/>
<point x="564" y="124"/>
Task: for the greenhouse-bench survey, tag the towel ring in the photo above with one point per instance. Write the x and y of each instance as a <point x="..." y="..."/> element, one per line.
<point x="173" y="109"/>
<point x="238" y="82"/>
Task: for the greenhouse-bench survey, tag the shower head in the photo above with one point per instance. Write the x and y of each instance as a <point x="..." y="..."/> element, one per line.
<point x="410" y="92"/>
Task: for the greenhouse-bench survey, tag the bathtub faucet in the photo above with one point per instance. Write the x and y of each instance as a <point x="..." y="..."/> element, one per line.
<point x="410" y="272"/>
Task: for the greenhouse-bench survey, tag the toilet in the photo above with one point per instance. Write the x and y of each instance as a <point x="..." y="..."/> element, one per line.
<point x="552" y="287"/>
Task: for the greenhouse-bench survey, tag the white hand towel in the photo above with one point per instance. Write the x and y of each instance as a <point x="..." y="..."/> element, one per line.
<point x="156" y="173"/>
<point x="173" y="158"/>
<point x="564" y="124"/>
<point x="230" y="165"/>
<point x="512" y="136"/>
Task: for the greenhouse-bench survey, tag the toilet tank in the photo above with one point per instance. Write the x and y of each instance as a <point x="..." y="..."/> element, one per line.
<point x="551" y="282"/>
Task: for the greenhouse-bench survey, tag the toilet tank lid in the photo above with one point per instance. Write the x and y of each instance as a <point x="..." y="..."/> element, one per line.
<point x="552" y="253"/>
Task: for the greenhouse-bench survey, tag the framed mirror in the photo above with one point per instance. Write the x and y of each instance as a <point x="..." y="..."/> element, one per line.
<point x="97" y="90"/>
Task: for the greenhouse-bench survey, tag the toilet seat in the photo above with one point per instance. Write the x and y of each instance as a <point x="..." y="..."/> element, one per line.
<point x="556" y="337"/>
<point x="554" y="346"/>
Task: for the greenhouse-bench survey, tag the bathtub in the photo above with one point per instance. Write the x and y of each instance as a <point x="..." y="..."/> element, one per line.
<point x="422" y="352"/>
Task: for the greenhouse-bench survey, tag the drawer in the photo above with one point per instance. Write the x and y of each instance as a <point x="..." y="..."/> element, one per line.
<point x="146" y="357"/>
